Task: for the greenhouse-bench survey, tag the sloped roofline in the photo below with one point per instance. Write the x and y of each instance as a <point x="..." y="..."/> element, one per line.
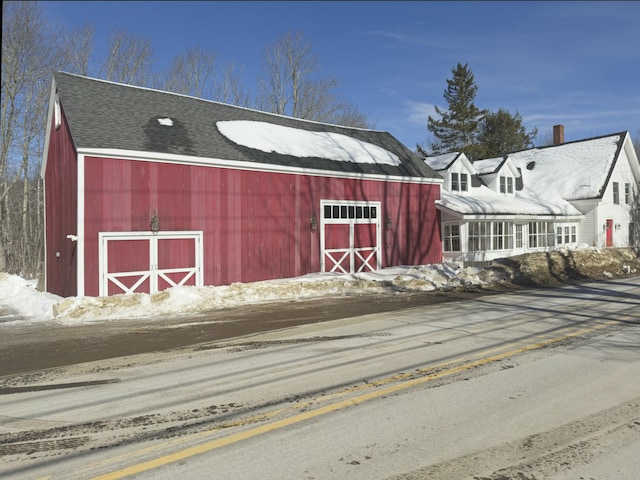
<point x="448" y="165"/>
<point x="100" y="114"/>
<point x="616" y="156"/>
<point x="582" y="140"/>
<point x="262" y="112"/>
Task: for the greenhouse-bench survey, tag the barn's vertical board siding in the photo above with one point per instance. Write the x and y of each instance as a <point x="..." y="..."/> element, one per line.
<point x="61" y="180"/>
<point x="256" y="224"/>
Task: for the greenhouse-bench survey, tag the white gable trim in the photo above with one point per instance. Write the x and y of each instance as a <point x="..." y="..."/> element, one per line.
<point x="632" y="157"/>
<point x="465" y="164"/>
<point x="47" y="134"/>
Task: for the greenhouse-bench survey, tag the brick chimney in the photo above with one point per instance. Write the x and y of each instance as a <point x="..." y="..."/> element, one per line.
<point x="558" y="134"/>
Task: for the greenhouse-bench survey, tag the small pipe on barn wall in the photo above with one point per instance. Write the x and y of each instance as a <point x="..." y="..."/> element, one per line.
<point x="313" y="224"/>
<point x="155" y="223"/>
<point x="388" y="223"/>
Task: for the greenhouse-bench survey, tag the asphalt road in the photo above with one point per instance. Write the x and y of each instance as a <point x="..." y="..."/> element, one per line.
<point x="524" y="385"/>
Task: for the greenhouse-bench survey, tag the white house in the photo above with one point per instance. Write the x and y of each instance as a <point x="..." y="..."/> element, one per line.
<point x="561" y="196"/>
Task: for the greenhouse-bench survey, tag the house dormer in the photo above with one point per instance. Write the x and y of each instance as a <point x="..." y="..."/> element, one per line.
<point x="498" y="174"/>
<point x="456" y="169"/>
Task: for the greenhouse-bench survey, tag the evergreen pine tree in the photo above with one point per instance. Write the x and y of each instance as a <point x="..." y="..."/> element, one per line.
<point x="457" y="128"/>
<point x="501" y="133"/>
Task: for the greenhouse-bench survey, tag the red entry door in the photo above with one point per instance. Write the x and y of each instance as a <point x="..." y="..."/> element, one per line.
<point x="609" y="233"/>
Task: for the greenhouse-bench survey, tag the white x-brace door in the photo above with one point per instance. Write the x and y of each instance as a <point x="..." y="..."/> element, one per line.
<point x="140" y="262"/>
<point x="350" y="236"/>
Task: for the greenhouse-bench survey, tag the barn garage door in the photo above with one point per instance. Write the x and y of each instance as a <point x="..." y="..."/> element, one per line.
<point x="350" y="236"/>
<point x="140" y="262"/>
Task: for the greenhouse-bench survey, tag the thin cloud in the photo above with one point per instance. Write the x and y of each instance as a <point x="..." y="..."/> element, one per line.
<point x="578" y="116"/>
<point x="418" y="113"/>
<point x="414" y="40"/>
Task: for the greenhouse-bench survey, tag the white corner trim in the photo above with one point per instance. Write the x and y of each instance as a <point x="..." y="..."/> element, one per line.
<point x="80" y="228"/>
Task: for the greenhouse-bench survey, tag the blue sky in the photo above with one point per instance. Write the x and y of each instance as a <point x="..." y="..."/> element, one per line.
<point x="571" y="63"/>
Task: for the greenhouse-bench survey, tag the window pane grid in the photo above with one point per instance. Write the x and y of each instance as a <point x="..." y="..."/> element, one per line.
<point x="452" y="238"/>
<point x="349" y="212"/>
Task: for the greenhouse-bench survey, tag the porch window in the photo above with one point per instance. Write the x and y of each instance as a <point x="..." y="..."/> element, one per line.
<point x="485" y="236"/>
<point x="540" y="234"/>
<point x="479" y="236"/>
<point x="452" y="238"/>
<point x="502" y="235"/>
<point x="566" y="234"/>
<point x="519" y="236"/>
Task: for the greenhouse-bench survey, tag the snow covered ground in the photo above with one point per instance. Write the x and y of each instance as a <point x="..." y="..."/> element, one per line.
<point x="21" y="303"/>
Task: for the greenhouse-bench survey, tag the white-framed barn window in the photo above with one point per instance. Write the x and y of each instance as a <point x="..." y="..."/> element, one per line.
<point x="344" y="211"/>
<point x="57" y="114"/>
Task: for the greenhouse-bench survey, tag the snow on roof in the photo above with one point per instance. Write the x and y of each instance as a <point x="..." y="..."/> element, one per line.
<point x="573" y="171"/>
<point x="296" y="142"/>
<point x="441" y="162"/>
<point x="490" y="165"/>
<point x="551" y="178"/>
<point x="486" y="201"/>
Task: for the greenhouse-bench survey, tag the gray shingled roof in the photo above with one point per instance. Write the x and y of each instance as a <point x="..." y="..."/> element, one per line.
<point x="104" y="114"/>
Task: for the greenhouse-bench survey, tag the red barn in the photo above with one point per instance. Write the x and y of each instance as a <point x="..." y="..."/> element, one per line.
<point x="146" y="189"/>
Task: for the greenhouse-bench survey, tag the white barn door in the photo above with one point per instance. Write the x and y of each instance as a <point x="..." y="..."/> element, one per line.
<point x="140" y="262"/>
<point x="350" y="236"/>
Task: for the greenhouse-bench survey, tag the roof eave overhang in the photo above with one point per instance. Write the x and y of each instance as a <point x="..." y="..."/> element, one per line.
<point x="507" y="215"/>
<point x="251" y="166"/>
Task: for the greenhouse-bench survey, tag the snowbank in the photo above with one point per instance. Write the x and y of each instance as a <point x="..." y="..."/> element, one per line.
<point x="33" y="306"/>
<point x="19" y="296"/>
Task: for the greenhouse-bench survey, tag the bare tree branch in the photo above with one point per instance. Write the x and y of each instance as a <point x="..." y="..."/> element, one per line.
<point x="289" y="85"/>
<point x="191" y="73"/>
<point x="78" y="49"/>
<point x="129" y="59"/>
<point x="29" y="56"/>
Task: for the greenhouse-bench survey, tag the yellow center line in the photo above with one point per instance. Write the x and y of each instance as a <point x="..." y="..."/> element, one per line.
<point x="278" y="424"/>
